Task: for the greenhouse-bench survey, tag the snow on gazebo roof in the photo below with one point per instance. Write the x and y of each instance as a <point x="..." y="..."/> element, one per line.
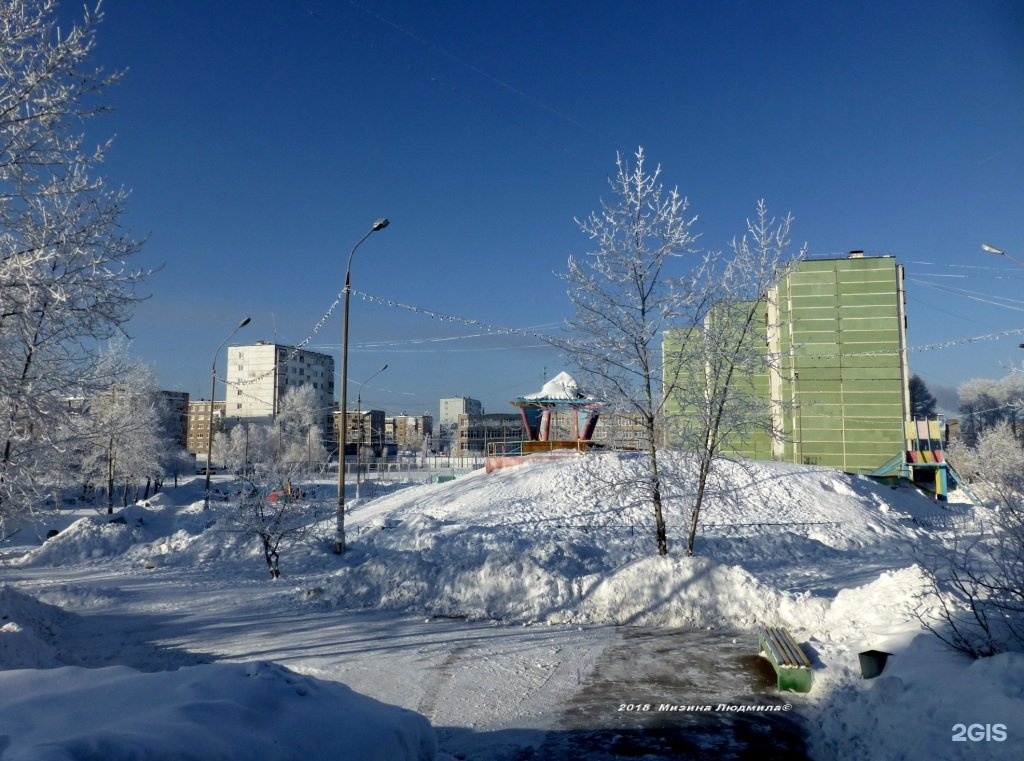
<point x="561" y="388"/>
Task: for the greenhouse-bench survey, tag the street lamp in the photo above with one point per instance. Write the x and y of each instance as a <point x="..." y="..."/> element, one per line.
<point x="209" y="425"/>
<point x="339" y="534"/>
<point x="359" y="411"/>
<point x="1000" y="252"/>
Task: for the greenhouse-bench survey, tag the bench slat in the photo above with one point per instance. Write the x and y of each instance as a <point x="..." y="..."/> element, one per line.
<point x="792" y="666"/>
<point x="785" y="648"/>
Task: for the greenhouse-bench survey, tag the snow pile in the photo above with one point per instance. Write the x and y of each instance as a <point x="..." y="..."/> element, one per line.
<point x="27" y="631"/>
<point x="149" y="534"/>
<point x="555" y="542"/>
<point x="691" y="593"/>
<point x="252" y="710"/>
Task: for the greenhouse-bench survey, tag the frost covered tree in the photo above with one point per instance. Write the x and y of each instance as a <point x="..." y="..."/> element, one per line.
<point x="984" y="403"/>
<point x="716" y="371"/>
<point x="297" y="427"/>
<point x="64" y="279"/>
<point x="978" y="580"/>
<point x="121" y="433"/>
<point x="238" y="446"/>
<point x="294" y="436"/>
<point x="277" y="509"/>
<point x="642" y="276"/>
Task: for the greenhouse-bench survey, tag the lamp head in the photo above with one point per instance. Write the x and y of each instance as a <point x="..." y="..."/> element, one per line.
<point x="992" y="249"/>
<point x="380" y="224"/>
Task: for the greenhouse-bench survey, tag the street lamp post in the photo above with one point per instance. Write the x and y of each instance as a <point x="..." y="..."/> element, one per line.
<point x="359" y="411"/>
<point x="209" y="424"/>
<point x="339" y="534"/>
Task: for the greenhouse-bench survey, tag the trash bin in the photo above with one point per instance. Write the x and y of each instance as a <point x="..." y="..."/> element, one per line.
<point x="872" y="662"/>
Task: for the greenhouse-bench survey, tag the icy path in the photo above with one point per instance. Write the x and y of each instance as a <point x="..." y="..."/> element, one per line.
<point x="492" y="692"/>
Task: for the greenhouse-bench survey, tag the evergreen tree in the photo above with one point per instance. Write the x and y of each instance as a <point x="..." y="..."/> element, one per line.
<point x="922" y="401"/>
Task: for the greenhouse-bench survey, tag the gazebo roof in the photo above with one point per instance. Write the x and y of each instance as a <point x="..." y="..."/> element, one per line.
<point x="562" y="389"/>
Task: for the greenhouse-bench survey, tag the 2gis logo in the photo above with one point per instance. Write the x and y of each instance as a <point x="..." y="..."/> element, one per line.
<point x="979" y="733"/>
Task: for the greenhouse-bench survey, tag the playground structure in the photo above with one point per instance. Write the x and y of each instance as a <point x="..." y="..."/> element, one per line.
<point x="923" y="459"/>
<point x="557" y="420"/>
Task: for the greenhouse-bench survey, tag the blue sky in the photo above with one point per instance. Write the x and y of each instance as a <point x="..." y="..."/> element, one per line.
<point x="261" y="139"/>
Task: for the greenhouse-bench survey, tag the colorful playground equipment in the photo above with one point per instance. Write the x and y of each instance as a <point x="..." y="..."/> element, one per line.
<point x="923" y="459"/>
<point x="559" y="416"/>
<point x="557" y="419"/>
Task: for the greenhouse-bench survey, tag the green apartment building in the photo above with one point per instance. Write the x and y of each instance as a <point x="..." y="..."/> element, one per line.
<point x="694" y="370"/>
<point x="835" y="375"/>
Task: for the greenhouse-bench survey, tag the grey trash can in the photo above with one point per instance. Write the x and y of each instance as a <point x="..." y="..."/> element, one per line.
<point x="872" y="662"/>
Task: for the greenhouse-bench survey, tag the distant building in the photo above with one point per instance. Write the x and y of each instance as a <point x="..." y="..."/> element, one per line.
<point x="199" y="424"/>
<point x="408" y="432"/>
<point x="454" y="406"/>
<point x="475" y="434"/>
<point x="621" y="430"/>
<point x="366" y="431"/>
<point x="259" y="375"/>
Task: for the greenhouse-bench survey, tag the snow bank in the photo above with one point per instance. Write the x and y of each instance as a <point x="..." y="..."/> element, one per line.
<point x="226" y="711"/>
<point x="26" y="631"/>
<point x="690" y="593"/>
<point x="572" y="541"/>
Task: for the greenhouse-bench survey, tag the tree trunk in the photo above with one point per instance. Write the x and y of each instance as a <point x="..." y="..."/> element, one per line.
<point x="110" y="478"/>
<point x="273" y="558"/>
<point x="702" y="480"/>
<point x="659" y="517"/>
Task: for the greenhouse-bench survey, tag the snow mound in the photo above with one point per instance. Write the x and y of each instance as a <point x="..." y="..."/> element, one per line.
<point x="227" y="711"/>
<point x="691" y="593"/>
<point x="572" y="541"/>
<point x="26" y="631"/>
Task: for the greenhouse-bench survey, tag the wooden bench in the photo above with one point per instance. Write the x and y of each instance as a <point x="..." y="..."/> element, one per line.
<point x="791" y="663"/>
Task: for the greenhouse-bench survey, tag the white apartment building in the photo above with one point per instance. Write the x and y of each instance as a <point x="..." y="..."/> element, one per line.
<point x="260" y="374"/>
<point x="454" y="406"/>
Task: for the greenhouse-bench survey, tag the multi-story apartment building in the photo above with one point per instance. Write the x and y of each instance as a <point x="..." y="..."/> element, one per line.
<point x="366" y="429"/>
<point x="842" y="356"/>
<point x="834" y="388"/>
<point x="454" y="406"/>
<point x="409" y="432"/>
<point x="259" y="375"/>
<point x="199" y="424"/>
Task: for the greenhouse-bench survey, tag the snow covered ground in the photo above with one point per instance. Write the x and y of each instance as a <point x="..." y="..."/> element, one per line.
<point x="493" y="617"/>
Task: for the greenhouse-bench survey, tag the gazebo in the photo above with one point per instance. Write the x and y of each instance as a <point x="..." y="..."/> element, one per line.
<point x="559" y="416"/>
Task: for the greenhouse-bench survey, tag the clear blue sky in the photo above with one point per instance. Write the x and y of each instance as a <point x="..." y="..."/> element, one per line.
<point x="261" y="139"/>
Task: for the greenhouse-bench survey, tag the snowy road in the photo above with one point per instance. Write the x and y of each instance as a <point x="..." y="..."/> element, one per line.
<point x="492" y="692"/>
